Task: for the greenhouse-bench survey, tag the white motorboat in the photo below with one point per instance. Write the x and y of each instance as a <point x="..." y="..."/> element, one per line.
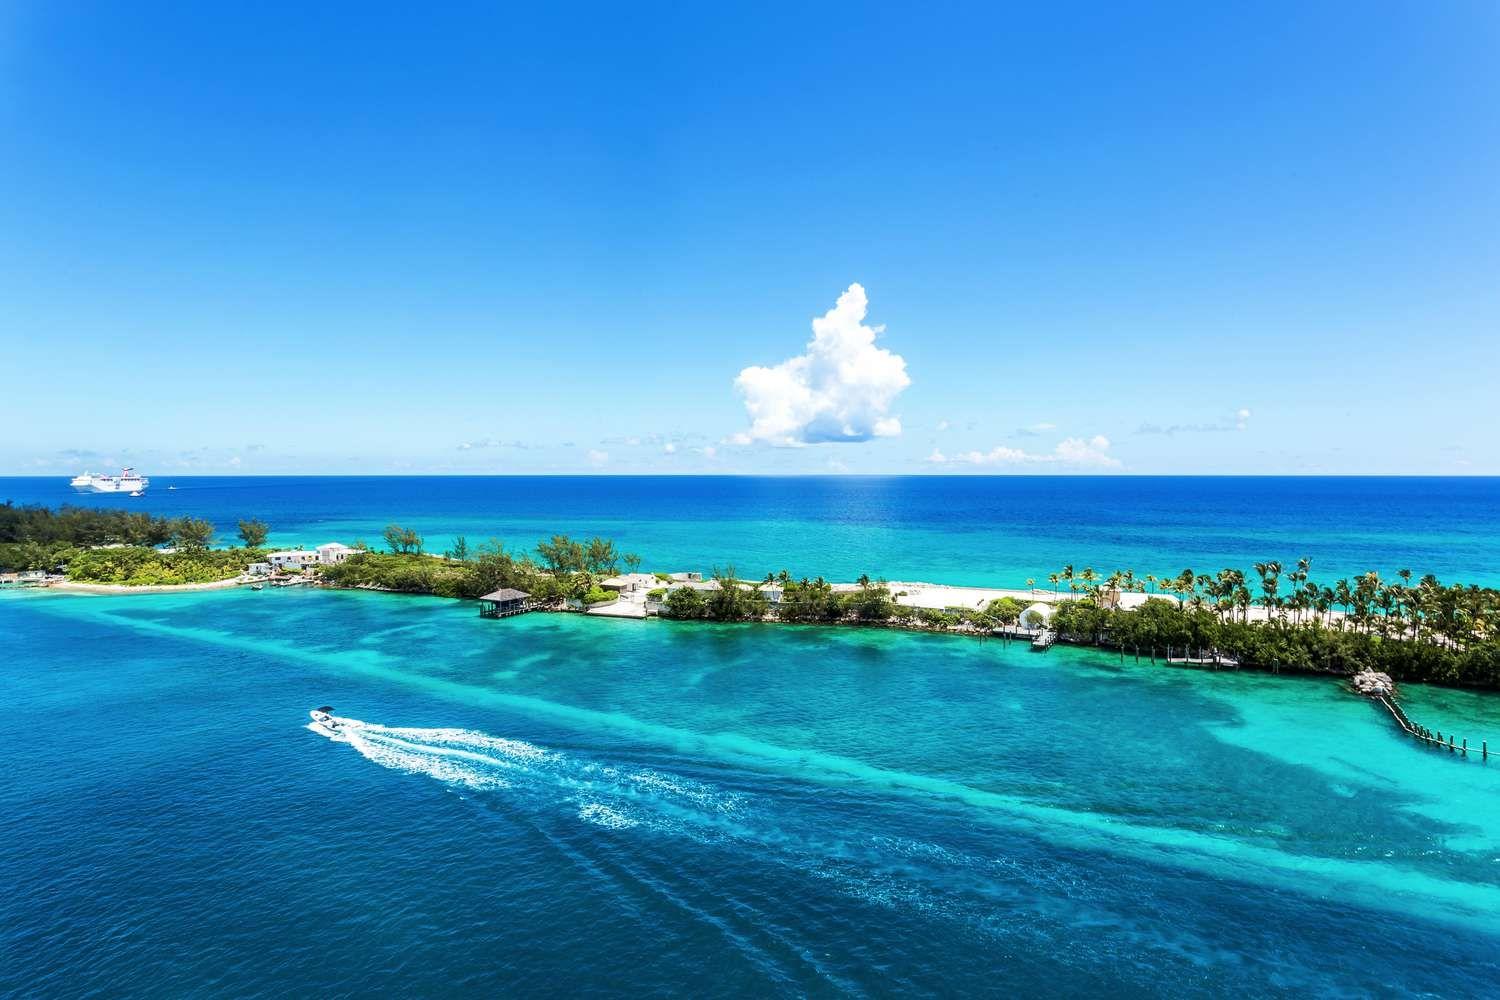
<point x="324" y="722"/>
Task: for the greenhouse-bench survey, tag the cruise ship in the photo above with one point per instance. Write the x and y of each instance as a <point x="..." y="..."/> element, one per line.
<point x="128" y="481"/>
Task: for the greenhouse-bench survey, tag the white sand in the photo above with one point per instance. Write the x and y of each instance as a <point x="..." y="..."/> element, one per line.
<point x="71" y="587"/>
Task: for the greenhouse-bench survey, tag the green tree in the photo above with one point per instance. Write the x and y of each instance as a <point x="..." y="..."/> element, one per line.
<point x="192" y="533"/>
<point x="253" y="533"/>
<point x="402" y="541"/>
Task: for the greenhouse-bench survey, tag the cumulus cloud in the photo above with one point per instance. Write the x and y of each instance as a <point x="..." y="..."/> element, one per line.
<point x="1073" y="452"/>
<point x="670" y="448"/>
<point x="840" y="389"/>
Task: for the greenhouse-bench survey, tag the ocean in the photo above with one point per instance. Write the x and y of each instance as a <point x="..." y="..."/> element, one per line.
<point x="991" y="531"/>
<point x="550" y="805"/>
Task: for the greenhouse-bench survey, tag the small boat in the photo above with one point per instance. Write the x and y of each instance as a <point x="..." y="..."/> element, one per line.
<point x="137" y="493"/>
<point x="257" y="586"/>
<point x="171" y="487"/>
<point x="324" y="722"/>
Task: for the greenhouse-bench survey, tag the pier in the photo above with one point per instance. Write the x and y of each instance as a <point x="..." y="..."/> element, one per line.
<point x="1430" y="737"/>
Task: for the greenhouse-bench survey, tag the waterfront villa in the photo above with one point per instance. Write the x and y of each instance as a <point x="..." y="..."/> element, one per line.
<point x="629" y="583"/>
<point x="296" y="560"/>
<point x="333" y="553"/>
<point x="292" y="559"/>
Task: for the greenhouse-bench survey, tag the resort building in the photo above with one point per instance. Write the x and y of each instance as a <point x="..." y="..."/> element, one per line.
<point x="629" y="583"/>
<point x="772" y="592"/>
<point x="258" y="569"/>
<point x="292" y="559"/>
<point x="333" y="553"/>
<point x="687" y="577"/>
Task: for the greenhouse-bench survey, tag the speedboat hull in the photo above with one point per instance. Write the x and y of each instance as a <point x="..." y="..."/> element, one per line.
<point x="325" y="725"/>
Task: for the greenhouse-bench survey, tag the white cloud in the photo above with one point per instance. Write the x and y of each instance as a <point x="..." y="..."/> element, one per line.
<point x="1073" y="452"/>
<point x="490" y="443"/>
<point x="840" y="389"/>
<point x="670" y="448"/>
<point x="708" y="451"/>
<point x="597" y="458"/>
<point x="942" y="425"/>
<point x="1239" y="420"/>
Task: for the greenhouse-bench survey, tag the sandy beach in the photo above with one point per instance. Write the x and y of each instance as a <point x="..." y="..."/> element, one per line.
<point x="71" y="587"/>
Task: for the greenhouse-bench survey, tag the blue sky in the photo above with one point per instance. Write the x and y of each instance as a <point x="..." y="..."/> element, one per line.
<point x="1172" y="238"/>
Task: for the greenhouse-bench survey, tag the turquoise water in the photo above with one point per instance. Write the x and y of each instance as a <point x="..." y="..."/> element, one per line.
<point x="551" y="804"/>
<point x="997" y="531"/>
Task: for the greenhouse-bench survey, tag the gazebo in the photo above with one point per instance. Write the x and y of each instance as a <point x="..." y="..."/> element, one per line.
<point x="503" y="602"/>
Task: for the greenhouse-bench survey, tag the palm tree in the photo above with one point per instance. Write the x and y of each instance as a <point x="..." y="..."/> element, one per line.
<point x="1054" y="577"/>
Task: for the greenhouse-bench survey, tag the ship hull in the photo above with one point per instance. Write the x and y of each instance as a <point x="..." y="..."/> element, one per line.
<point x="124" y="486"/>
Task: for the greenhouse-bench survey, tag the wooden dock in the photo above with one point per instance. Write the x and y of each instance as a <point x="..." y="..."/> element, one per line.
<point x="1430" y="737"/>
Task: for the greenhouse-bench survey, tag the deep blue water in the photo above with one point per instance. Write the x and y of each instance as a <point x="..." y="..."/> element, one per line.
<point x="980" y="530"/>
<point x="553" y="805"/>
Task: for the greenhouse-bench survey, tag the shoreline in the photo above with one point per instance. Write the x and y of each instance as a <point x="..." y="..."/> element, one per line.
<point x="73" y="587"/>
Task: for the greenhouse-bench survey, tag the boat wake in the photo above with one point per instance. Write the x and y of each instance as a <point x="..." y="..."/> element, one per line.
<point x="611" y="797"/>
<point x="630" y="801"/>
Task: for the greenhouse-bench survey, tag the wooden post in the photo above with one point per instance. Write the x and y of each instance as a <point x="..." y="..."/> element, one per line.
<point x="1466" y="748"/>
<point x="1450" y="742"/>
<point x="1484" y="750"/>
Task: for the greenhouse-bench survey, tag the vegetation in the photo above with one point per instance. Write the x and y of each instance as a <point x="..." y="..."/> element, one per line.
<point x="137" y="566"/>
<point x="192" y="533"/>
<point x="1413" y="629"/>
<point x="1423" y="631"/>
<point x="111" y="546"/>
<point x="479" y="571"/>
<point x="81" y="526"/>
<point x="253" y="533"/>
<point x="402" y="541"/>
<point x="561" y="554"/>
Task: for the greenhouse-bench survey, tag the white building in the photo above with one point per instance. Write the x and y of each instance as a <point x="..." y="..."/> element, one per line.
<point x="333" y="553"/>
<point x="292" y="559"/>
<point x="259" y="569"/>
<point x="629" y="583"/>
